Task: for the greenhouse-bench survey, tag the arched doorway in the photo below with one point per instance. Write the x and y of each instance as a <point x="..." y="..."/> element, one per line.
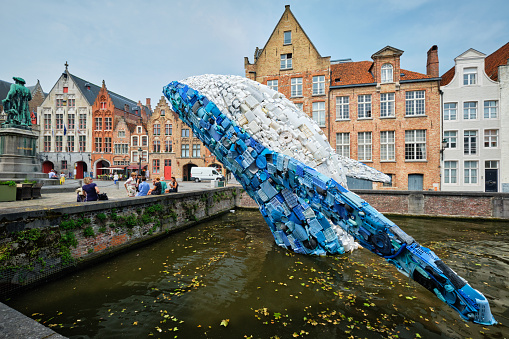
<point x="47" y="166"/>
<point x="186" y="171"/>
<point x="80" y="168"/>
<point x="100" y="168"/>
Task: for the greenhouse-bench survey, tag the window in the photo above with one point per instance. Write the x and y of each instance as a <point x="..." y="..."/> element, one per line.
<point x="450" y="172"/>
<point x="66" y="89"/>
<point x="168" y="146"/>
<point x="134" y="141"/>
<point x="469" y="76"/>
<point x="415" y="145"/>
<point x="185" y="151"/>
<point x="286" y="61"/>
<point x="163" y="113"/>
<point x="107" y="145"/>
<point x="491" y="109"/>
<point x="60" y="121"/>
<point x="389" y="184"/>
<point x="103" y="104"/>
<point x="272" y="84"/>
<point x="343" y="144"/>
<point x="387" y="105"/>
<point x="157" y="146"/>
<point x="452" y="138"/>
<point x="59" y="102"/>
<point x="287" y="37"/>
<point x="155" y="166"/>
<point x="491" y="164"/>
<point x="296" y="87"/>
<point x="135" y="156"/>
<point x="364" y="146"/>
<point x="47" y="121"/>
<point x="58" y="143"/>
<point x="121" y="148"/>
<point x="157" y="129"/>
<point x="470" y="110"/>
<point x="342" y="108"/>
<point x="72" y="102"/>
<point x="70" y="121"/>
<point x="319" y="113"/>
<point x="98" y="124"/>
<point x="450" y="110"/>
<point x="82" y="140"/>
<point x="139" y="129"/>
<point x="107" y="124"/>
<point x="144" y="140"/>
<point x="185" y="133"/>
<point x="387" y="146"/>
<point x="364" y="106"/>
<point x="99" y="145"/>
<point x="470" y="142"/>
<point x="414" y="103"/>
<point x="47" y="143"/>
<point x="144" y="156"/>
<point x="63" y="164"/>
<point x="167" y="162"/>
<point x="491" y="138"/>
<point x="168" y="129"/>
<point x="386" y="73"/>
<point x="470" y="171"/>
<point x="70" y="143"/>
<point x="83" y="121"/>
<point x="196" y="150"/>
<point x="319" y="85"/>
<point x="121" y="134"/>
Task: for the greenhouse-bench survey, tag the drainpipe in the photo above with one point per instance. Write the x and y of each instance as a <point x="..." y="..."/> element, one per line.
<point x="440" y="166"/>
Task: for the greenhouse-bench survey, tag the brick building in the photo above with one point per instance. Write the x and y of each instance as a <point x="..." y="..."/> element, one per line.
<point x="173" y="148"/>
<point x="367" y="109"/>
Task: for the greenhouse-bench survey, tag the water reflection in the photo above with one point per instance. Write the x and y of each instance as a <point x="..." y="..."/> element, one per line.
<point x="229" y="271"/>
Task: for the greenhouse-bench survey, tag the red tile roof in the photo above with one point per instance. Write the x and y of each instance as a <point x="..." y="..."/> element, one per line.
<point x="357" y="73"/>
<point x="491" y="63"/>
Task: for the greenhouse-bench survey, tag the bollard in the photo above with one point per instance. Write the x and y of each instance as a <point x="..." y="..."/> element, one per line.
<point x="117" y="185"/>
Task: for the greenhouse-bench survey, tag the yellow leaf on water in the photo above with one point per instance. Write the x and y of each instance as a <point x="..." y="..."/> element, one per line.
<point x="225" y="322"/>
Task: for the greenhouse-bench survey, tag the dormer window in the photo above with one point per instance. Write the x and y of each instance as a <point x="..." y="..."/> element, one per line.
<point x="469" y="76"/>
<point x="386" y="73"/>
<point x="287" y="38"/>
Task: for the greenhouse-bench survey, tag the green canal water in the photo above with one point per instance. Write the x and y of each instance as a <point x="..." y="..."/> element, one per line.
<point x="227" y="279"/>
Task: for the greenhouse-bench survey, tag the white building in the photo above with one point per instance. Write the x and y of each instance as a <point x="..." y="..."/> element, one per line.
<point x="473" y="120"/>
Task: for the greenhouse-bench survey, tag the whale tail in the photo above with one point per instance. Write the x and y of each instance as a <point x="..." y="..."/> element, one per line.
<point x="310" y="213"/>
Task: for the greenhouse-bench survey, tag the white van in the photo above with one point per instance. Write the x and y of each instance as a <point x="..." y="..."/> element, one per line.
<point x="205" y="173"/>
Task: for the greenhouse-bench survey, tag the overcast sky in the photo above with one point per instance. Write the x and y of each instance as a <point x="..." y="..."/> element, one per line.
<point x="137" y="47"/>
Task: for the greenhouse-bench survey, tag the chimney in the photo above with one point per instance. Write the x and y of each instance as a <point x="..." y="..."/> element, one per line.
<point x="432" y="63"/>
<point x="148" y="103"/>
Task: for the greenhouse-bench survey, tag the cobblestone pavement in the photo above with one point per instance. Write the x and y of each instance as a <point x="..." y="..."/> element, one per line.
<point x="114" y="192"/>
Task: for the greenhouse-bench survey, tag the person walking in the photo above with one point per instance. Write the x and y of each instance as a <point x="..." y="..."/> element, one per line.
<point x="62" y="178"/>
<point x="143" y="188"/>
<point x="115" y="178"/>
<point x="130" y="185"/>
<point x="90" y="189"/>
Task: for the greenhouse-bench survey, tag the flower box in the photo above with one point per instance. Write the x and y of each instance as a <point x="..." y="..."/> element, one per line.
<point x="7" y="192"/>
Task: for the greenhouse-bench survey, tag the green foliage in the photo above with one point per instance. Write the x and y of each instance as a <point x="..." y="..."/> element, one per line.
<point x="101" y="216"/>
<point x="154" y="209"/>
<point x="9" y="183"/>
<point x="102" y="229"/>
<point x="68" y="239"/>
<point x="70" y="224"/>
<point x="145" y="219"/>
<point x="32" y="234"/>
<point x="172" y="214"/>
<point x="65" y="254"/>
<point x="130" y="221"/>
<point x="90" y="250"/>
<point x="89" y="232"/>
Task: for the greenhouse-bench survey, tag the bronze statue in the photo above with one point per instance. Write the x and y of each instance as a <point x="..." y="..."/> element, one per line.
<point x="16" y="105"/>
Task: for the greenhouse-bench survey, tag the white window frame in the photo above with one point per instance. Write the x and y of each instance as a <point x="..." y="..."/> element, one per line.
<point x="471" y="172"/>
<point x="415" y="145"/>
<point x="469" y="76"/>
<point x="319" y="85"/>
<point x="386" y="73"/>
<point x="415" y="103"/>
<point x="387" y="146"/>
<point x="450" y="172"/>
<point x="286" y="61"/>
<point x="364" y="146"/>
<point x="296" y="87"/>
<point x="387" y="105"/>
<point x="196" y="151"/>
<point x="470" y="142"/>
<point x="287" y="38"/>
<point x="343" y="108"/>
<point x="184" y="150"/>
<point x="273" y="84"/>
<point x="343" y="144"/>
<point x="470" y="110"/>
<point x="452" y="139"/>
<point x="491" y="138"/>
<point x="98" y="124"/>
<point x="364" y="106"/>
<point x="319" y="113"/>
<point x="450" y="111"/>
<point x="491" y="109"/>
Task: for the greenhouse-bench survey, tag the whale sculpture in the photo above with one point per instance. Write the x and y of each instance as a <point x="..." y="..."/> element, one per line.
<point x="284" y="162"/>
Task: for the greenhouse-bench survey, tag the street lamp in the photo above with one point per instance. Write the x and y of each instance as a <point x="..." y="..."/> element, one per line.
<point x="139" y="151"/>
<point x="444" y="146"/>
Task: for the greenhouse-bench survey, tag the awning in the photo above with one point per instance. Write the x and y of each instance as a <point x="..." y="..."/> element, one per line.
<point x="112" y="168"/>
<point x="133" y="167"/>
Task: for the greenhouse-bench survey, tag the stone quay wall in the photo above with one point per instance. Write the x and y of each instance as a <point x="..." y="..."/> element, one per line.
<point x="37" y="245"/>
<point x="427" y="203"/>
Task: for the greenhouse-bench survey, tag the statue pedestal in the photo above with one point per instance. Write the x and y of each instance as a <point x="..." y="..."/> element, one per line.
<point x="18" y="152"/>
